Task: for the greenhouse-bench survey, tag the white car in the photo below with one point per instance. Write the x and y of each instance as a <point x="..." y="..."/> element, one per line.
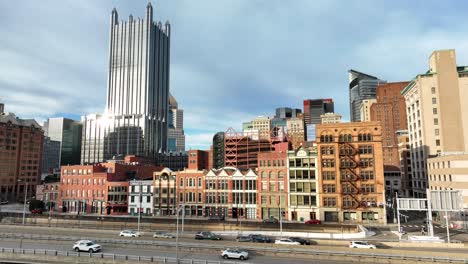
<point x="161" y="234"/>
<point x="234" y="253"/>
<point x="129" y="233"/>
<point x="286" y="241"/>
<point x="361" y="244"/>
<point x="86" y="245"/>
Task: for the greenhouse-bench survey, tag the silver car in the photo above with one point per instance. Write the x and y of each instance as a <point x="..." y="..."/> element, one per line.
<point x="235" y="254"/>
<point x="161" y="234"/>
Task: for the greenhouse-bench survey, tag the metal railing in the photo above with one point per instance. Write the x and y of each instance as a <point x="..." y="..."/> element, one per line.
<point x="353" y="257"/>
<point x="114" y="257"/>
<point x="273" y="250"/>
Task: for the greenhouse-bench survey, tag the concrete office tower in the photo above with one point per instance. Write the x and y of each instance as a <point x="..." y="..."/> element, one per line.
<point x="135" y="121"/>
<point x="437" y="113"/>
<point x="175" y="131"/>
<point x="69" y="133"/>
<point x="286" y="112"/>
<point x="361" y="87"/>
<point x="313" y="109"/>
<point x="263" y="125"/>
<point x="330" y="118"/>
<point x="365" y="109"/>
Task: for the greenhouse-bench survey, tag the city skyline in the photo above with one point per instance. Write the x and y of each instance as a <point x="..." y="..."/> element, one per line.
<point x="59" y="69"/>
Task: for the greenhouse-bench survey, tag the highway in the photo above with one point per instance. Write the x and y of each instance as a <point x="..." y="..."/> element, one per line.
<point x="166" y="252"/>
<point x="189" y="239"/>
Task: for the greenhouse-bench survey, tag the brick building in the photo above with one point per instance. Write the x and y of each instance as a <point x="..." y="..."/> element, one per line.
<point x="190" y="190"/>
<point x="351" y="172"/>
<point x="101" y="188"/>
<point x="164" y="183"/>
<point x="198" y="159"/>
<point x="272" y="184"/>
<point x="21" y="143"/>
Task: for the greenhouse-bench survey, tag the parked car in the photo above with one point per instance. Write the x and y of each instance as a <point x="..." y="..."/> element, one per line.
<point x="3" y="202"/>
<point x="271" y="221"/>
<point x="86" y="245"/>
<point x="261" y="239"/>
<point x="313" y="222"/>
<point x="286" y="241"/>
<point x="207" y="236"/>
<point x="129" y="233"/>
<point x="301" y="240"/>
<point x="234" y="253"/>
<point x="244" y="239"/>
<point x="36" y="211"/>
<point x="162" y="234"/>
<point x="361" y="244"/>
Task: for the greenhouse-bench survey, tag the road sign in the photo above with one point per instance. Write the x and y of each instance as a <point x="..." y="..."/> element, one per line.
<point x="446" y="200"/>
<point x="412" y="204"/>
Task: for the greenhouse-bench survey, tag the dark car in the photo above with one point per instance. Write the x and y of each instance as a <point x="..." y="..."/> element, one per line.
<point x="300" y="240"/>
<point x="271" y="221"/>
<point x="261" y="239"/>
<point x="3" y="202"/>
<point x="244" y="239"/>
<point x="207" y="236"/>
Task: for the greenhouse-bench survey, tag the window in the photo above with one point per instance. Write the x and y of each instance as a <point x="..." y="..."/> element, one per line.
<point x="433" y="90"/>
<point x="437" y="142"/>
<point x="326" y="138"/>
<point x="327" y="150"/>
<point x="329" y="202"/>
<point x="328" y="163"/>
<point x="436" y="121"/>
<point x="280" y="175"/>
<point x="365" y="149"/>
<point x="328" y="175"/>
<point x="436" y="132"/>
<point x="329" y="188"/>
<point x="434" y="100"/>
<point x="367" y="175"/>
<point x="434" y="111"/>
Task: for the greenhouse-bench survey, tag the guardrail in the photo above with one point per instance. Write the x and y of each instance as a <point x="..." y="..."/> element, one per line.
<point x="114" y="257"/>
<point x="354" y="256"/>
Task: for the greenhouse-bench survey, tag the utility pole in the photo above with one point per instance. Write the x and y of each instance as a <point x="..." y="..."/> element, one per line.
<point x="280" y="210"/>
<point x="139" y="208"/>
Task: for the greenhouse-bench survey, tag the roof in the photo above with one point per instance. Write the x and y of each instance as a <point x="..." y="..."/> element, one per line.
<point x="10" y="117"/>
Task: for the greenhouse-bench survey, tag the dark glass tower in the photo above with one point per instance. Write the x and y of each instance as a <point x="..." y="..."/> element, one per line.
<point x="361" y="87"/>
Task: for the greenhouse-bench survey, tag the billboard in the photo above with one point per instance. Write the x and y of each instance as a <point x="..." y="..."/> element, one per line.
<point x="412" y="204"/>
<point x="446" y="200"/>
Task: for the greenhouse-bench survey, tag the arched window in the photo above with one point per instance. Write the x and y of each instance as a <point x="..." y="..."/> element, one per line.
<point x="264" y="175"/>
<point x="272" y="175"/>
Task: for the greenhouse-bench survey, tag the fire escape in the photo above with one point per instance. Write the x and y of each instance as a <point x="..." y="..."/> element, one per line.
<point x="349" y="175"/>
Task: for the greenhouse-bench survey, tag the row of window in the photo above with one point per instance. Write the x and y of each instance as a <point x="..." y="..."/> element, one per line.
<point x="345" y="138"/>
<point x="271" y="163"/>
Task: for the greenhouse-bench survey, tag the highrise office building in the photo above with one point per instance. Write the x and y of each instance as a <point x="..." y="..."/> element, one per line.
<point x="175" y="131"/>
<point x="361" y="87"/>
<point x="287" y="112"/>
<point x="136" y="117"/>
<point x="437" y="114"/>
<point x="313" y="109"/>
<point x="68" y="133"/>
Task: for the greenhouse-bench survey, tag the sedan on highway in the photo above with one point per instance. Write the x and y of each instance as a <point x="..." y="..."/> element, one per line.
<point x="207" y="235"/>
<point x="244" y="239"/>
<point x="234" y="253"/>
<point x="129" y="233"/>
<point x="286" y="241"/>
<point x="86" y="245"/>
<point x="301" y="240"/>
<point x="162" y="234"/>
<point x="260" y="239"/>
<point x="361" y="244"/>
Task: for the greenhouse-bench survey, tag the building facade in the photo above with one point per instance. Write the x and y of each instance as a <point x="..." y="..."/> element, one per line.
<point x="303" y="178"/>
<point x="330" y="118"/>
<point x="164" y="192"/>
<point x="263" y="125"/>
<point x="135" y="121"/>
<point x="21" y="143"/>
<point x="140" y="197"/>
<point x="351" y="171"/>
<point x="296" y="131"/>
<point x="50" y="156"/>
<point x="175" y="133"/>
<point x="287" y="112"/>
<point x="405" y="164"/>
<point x="218" y="150"/>
<point x="68" y="133"/>
<point x="190" y="191"/>
<point x="361" y="87"/>
<point x="272" y="185"/>
<point x="313" y="109"/>
<point x="437" y="116"/>
<point x="198" y="160"/>
<point x="365" y="109"/>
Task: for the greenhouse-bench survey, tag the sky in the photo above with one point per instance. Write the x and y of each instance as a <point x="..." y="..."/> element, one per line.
<point x="231" y="60"/>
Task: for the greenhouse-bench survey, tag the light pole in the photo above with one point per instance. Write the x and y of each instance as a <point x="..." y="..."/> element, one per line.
<point x="177" y="232"/>
<point x="25" y="196"/>
<point x="280" y="211"/>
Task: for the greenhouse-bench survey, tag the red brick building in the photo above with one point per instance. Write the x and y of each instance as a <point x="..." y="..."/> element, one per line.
<point x="21" y="143"/>
<point x="190" y="190"/>
<point x="198" y="159"/>
<point x="272" y="183"/>
<point x="100" y="188"/>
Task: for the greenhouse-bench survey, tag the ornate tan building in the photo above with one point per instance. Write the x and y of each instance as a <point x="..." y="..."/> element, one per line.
<point x="351" y="172"/>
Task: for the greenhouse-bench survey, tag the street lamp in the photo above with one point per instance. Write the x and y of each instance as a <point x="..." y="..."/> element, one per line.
<point x="181" y="207"/>
<point x="139" y="207"/>
<point x="25" y="195"/>
<point x="280" y="211"/>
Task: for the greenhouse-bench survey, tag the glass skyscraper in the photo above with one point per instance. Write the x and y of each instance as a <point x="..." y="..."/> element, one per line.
<point x="361" y="87"/>
<point x="135" y="120"/>
<point x="68" y="133"/>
